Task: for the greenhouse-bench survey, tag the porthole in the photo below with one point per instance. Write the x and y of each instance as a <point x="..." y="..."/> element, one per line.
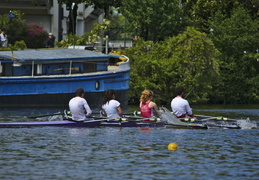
<point x="97" y="85"/>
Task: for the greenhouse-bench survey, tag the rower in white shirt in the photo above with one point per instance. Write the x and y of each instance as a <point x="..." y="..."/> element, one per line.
<point x="79" y="107"/>
<point x="180" y="106"/>
<point x="110" y="106"/>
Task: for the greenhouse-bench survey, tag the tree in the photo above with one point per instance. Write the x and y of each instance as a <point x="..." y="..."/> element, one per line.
<point x="119" y="28"/>
<point x="71" y="6"/>
<point x="154" y="19"/>
<point x="15" y="27"/>
<point x="200" y="11"/>
<point x="236" y="36"/>
<point x="189" y="59"/>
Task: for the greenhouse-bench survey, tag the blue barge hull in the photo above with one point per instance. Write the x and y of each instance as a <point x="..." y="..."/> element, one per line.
<point x="49" y="78"/>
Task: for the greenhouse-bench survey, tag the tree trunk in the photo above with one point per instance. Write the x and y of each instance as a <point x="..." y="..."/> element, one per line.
<point x="72" y="20"/>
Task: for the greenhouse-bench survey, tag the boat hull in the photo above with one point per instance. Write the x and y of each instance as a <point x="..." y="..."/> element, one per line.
<point x="58" y="100"/>
<point x="64" y="123"/>
<point x="98" y="123"/>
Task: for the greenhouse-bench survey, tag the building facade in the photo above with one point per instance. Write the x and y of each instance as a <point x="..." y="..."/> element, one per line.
<point x="53" y="16"/>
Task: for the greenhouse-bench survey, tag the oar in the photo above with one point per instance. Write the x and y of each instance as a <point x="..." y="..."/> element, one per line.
<point x="160" y="121"/>
<point x="125" y="114"/>
<point x="129" y="119"/>
<point x="117" y="120"/>
<point x="216" y="118"/>
<point x="34" y="117"/>
<point x="94" y="120"/>
<point x="99" y="120"/>
<point x="153" y="120"/>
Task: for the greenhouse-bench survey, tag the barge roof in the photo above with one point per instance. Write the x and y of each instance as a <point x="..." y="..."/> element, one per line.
<point x="52" y="54"/>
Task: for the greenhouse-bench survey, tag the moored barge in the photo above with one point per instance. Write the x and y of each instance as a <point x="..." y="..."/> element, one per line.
<point x="49" y="77"/>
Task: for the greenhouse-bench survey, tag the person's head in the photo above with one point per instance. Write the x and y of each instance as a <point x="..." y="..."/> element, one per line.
<point x="3" y="30"/>
<point x="50" y="35"/>
<point x="179" y="91"/>
<point x="146" y="95"/>
<point x="109" y="95"/>
<point x="80" y="92"/>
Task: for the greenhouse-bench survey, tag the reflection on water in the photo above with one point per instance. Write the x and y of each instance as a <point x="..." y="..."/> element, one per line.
<point x="128" y="153"/>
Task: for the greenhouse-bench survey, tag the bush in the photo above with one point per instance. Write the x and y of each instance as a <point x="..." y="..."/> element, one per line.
<point x="35" y="36"/>
<point x="20" y="45"/>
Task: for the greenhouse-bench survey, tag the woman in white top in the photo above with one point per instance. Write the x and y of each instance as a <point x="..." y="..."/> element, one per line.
<point x="110" y="106"/>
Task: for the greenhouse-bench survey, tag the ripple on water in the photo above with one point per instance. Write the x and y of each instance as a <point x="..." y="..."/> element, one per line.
<point x="128" y="153"/>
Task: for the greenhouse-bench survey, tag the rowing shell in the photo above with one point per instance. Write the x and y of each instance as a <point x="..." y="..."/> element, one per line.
<point x="63" y="123"/>
<point x="101" y="123"/>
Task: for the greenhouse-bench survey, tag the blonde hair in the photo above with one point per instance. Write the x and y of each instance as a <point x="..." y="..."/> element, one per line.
<point x="146" y="95"/>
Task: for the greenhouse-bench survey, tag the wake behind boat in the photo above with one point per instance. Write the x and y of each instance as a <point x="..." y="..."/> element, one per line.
<point x="209" y="121"/>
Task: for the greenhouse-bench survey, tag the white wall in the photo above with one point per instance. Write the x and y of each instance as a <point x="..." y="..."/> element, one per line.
<point x="45" y="20"/>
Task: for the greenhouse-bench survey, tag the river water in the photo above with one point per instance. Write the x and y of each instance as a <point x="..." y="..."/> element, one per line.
<point x="129" y="153"/>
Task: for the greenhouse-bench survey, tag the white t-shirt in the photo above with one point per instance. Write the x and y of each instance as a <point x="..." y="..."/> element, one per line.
<point x="4" y="40"/>
<point x="180" y="107"/>
<point x="77" y="105"/>
<point x="111" y="108"/>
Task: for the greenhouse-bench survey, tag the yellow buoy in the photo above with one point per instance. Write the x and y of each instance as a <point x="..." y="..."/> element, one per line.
<point x="172" y="147"/>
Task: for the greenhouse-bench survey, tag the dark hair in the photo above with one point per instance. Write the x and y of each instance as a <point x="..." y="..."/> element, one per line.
<point x="179" y="90"/>
<point x="79" y="91"/>
<point x="108" y="96"/>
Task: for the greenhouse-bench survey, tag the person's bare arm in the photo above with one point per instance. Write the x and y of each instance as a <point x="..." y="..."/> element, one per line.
<point x="119" y="111"/>
<point x="154" y="106"/>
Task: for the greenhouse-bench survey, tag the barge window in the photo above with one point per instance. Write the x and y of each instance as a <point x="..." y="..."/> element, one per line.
<point x="90" y="67"/>
<point x="64" y="68"/>
<point x="24" y="70"/>
<point x="39" y="69"/>
<point x="8" y="69"/>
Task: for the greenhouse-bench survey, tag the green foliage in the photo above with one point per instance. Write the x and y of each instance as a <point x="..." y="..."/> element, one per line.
<point x="155" y="19"/>
<point x="4" y="48"/>
<point x="88" y="38"/>
<point x="189" y="59"/>
<point x="15" y="27"/>
<point x="69" y="41"/>
<point x="196" y="62"/>
<point x="96" y="33"/>
<point x="200" y="11"/>
<point x="237" y="39"/>
<point x="20" y="45"/>
<point x="119" y="27"/>
<point x="32" y="34"/>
